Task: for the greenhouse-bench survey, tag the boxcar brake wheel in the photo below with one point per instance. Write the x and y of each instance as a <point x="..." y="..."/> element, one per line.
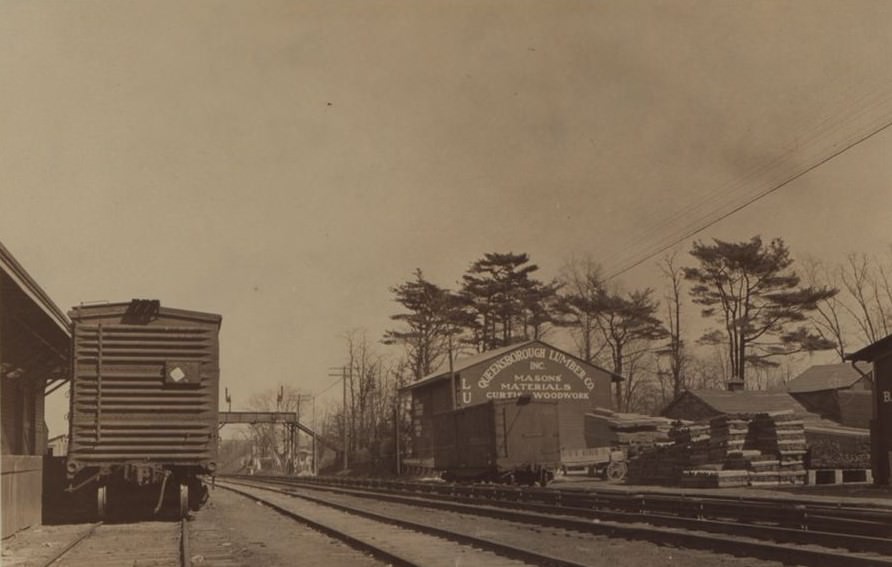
<point x="184" y="500"/>
<point x="102" y="502"/>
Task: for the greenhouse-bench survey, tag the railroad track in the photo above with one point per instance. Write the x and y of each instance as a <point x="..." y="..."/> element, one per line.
<point x="755" y="529"/>
<point x="394" y="540"/>
<point x="150" y="543"/>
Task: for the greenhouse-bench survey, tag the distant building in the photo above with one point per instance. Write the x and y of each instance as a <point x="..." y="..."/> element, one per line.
<point x="57" y="446"/>
<point x="836" y="392"/>
<point x="700" y="405"/>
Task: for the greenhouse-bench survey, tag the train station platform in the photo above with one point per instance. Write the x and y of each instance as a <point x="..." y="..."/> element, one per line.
<point x="842" y="494"/>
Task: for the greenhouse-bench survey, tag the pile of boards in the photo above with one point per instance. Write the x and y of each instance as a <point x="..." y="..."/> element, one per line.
<point x="763" y="449"/>
<point x="607" y="428"/>
<point x="837" y="447"/>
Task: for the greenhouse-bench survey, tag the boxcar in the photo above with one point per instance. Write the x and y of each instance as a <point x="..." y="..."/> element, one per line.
<point x="510" y="441"/>
<point x="143" y="402"/>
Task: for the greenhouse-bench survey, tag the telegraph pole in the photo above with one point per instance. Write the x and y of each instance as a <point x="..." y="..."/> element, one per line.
<point x="315" y="433"/>
<point x="452" y="375"/>
<point x="343" y="376"/>
<point x="344" y="411"/>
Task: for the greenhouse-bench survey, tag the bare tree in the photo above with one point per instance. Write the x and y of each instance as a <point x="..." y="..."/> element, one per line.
<point x="868" y="288"/>
<point x="629" y="327"/>
<point x="830" y="316"/>
<point x="674" y="353"/>
<point x="578" y="305"/>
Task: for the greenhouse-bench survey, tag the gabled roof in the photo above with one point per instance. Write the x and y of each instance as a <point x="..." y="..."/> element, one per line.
<point x="464" y="363"/>
<point x="11" y="267"/>
<point x="746" y="402"/>
<point x="872" y="351"/>
<point x="824" y="377"/>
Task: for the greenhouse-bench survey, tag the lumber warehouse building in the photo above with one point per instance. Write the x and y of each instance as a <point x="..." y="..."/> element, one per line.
<point x="34" y="357"/>
<point x="531" y="368"/>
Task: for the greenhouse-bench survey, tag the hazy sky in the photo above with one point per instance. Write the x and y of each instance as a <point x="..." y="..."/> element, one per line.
<point x="285" y="163"/>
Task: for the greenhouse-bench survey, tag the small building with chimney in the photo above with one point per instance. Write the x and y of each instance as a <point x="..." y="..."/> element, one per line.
<point x="702" y="405"/>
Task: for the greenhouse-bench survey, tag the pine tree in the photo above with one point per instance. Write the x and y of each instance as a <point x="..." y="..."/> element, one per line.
<point x="751" y="289"/>
<point x="434" y="314"/>
<point x="506" y="302"/>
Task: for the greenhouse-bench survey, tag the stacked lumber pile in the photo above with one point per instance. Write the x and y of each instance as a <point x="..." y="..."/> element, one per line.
<point x="711" y="478"/>
<point x="659" y="464"/>
<point x="763" y="449"/>
<point x="838" y="447"/>
<point x="665" y="463"/>
<point x="606" y="428"/>
<point x="781" y="434"/>
<point x="761" y="469"/>
<point x="727" y="434"/>
<point x="696" y="438"/>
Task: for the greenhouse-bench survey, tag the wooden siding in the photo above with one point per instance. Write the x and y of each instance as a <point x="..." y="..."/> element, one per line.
<point x="21" y="491"/>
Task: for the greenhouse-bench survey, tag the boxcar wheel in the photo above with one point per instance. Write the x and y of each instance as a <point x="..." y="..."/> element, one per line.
<point x="102" y="502"/>
<point x="616" y="470"/>
<point x="184" y="500"/>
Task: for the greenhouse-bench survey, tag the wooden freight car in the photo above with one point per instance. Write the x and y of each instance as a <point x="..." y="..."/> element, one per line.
<point x="508" y="441"/>
<point x="143" y="404"/>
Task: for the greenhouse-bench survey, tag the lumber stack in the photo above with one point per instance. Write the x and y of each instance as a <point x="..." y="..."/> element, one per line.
<point x="838" y="447"/>
<point x="727" y="434"/>
<point x="607" y="428"/>
<point x="659" y="464"/>
<point x="782" y="434"/>
<point x="707" y="478"/>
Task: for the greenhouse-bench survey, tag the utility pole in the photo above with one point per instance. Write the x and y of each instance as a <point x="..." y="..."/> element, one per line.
<point x="344" y="424"/>
<point x="452" y="375"/>
<point x="346" y="437"/>
<point x="396" y="434"/>
<point x="315" y="433"/>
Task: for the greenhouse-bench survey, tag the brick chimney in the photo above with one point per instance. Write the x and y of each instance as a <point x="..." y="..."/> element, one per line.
<point x="735" y="384"/>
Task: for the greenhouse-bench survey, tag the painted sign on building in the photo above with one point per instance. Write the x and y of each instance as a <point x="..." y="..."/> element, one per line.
<point x="541" y="372"/>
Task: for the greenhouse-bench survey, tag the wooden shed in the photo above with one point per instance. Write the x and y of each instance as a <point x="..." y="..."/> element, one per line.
<point x="836" y="392"/>
<point x="700" y="405"/>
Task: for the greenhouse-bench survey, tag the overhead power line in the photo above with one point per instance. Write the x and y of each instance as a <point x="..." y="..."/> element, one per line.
<point x="706" y="224"/>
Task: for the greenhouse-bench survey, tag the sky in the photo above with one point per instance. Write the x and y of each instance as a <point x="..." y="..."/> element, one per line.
<point x="286" y="163"/>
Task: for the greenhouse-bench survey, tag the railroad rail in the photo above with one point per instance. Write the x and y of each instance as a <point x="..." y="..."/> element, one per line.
<point x="126" y="544"/>
<point x="804" y="532"/>
<point x="403" y="542"/>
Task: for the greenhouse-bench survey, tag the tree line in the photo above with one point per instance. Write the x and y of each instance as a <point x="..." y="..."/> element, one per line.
<point x="756" y="304"/>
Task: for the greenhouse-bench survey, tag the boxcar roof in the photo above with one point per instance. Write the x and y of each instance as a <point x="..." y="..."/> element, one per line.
<point x="95" y="311"/>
